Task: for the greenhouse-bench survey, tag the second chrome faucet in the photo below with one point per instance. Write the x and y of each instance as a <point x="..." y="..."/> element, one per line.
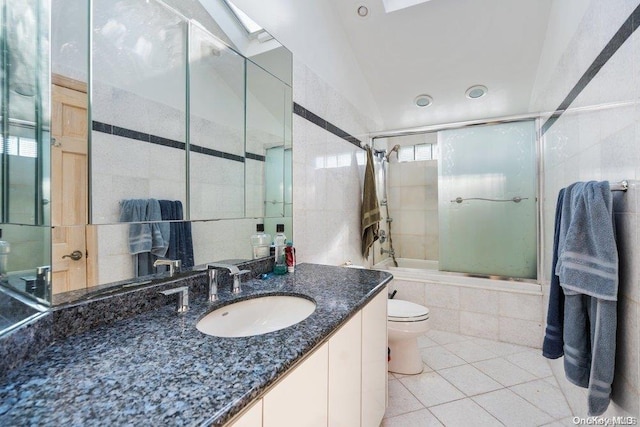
<point x="214" y="277"/>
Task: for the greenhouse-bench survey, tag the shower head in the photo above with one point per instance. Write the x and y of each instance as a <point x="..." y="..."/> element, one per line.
<point x="395" y="148"/>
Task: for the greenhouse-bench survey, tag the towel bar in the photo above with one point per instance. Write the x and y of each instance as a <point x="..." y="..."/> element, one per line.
<point x="620" y="186"/>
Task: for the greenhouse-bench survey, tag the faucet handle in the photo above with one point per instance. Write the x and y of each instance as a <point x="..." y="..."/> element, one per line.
<point x="174" y="264"/>
<point x="183" y="297"/>
<point x="241" y="272"/>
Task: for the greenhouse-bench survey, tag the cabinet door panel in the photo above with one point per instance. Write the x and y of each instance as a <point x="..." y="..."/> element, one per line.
<point x="251" y="418"/>
<point x="300" y="399"/>
<point x="345" y="377"/>
<point x="374" y="360"/>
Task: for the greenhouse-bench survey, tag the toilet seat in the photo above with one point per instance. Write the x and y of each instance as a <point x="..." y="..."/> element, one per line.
<point x="405" y="311"/>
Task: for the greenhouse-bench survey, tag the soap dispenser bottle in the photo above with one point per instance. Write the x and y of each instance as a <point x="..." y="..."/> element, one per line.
<point x="280" y="242"/>
<point x="261" y="242"/>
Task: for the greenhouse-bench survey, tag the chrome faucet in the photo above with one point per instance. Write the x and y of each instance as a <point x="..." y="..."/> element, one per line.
<point x="213" y="279"/>
<point x="386" y="251"/>
<point x="183" y="297"/>
<point x="174" y="265"/>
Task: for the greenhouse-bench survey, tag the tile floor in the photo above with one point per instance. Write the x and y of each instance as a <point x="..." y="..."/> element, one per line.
<point x="470" y="381"/>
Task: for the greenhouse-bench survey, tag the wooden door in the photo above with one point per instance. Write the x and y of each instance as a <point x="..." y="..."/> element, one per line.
<point x="69" y="184"/>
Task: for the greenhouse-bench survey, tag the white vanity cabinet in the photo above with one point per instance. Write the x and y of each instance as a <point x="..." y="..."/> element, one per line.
<point x="300" y="399"/>
<point x="374" y="360"/>
<point x="345" y="374"/>
<point x="252" y="417"/>
<point x="343" y="383"/>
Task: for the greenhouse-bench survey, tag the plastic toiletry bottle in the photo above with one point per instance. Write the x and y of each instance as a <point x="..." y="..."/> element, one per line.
<point x="280" y="241"/>
<point x="290" y="257"/>
<point x="261" y="242"/>
<point x="5" y="248"/>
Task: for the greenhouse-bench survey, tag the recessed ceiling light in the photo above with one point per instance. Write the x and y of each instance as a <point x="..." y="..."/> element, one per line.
<point x="423" y="100"/>
<point x="477" y="91"/>
<point x="362" y="11"/>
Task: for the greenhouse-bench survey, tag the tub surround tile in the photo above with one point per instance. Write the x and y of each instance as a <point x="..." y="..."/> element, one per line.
<point x="174" y="370"/>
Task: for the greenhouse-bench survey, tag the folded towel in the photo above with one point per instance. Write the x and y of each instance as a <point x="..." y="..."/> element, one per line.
<point x="588" y="258"/>
<point x="370" y="209"/>
<point x="553" y="342"/>
<point x="145" y="236"/>
<point x="140" y="235"/>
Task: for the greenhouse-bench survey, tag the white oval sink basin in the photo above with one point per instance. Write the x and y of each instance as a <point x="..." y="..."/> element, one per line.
<point x="256" y="316"/>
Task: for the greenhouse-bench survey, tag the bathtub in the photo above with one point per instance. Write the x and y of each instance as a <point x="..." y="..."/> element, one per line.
<point x="503" y="310"/>
<point x="427" y="271"/>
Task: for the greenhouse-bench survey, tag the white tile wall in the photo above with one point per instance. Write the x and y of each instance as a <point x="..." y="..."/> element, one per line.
<point x="327" y="174"/>
<point x="599" y="142"/>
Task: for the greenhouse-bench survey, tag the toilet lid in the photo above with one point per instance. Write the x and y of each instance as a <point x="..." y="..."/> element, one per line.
<point x="405" y="311"/>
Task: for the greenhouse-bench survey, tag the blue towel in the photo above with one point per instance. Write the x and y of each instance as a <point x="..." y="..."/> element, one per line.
<point x="588" y="257"/>
<point x="552" y="345"/>
<point x="181" y="240"/>
<point x="588" y="273"/>
<point x="148" y="237"/>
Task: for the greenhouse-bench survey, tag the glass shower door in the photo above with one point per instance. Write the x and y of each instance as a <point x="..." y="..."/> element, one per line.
<point x="487" y="200"/>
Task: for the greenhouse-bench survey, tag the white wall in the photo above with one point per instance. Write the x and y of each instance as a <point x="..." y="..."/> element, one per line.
<point x="598" y="142"/>
<point x="323" y="32"/>
<point x="327" y="173"/>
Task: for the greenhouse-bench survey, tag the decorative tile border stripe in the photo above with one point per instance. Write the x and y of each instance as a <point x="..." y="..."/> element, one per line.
<point x="324" y="124"/>
<point x="618" y="39"/>
<point x="166" y="142"/>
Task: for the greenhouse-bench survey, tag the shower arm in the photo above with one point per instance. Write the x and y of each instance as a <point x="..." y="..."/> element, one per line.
<point x="516" y="199"/>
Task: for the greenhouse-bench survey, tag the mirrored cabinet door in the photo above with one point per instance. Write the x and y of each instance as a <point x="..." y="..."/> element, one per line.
<point x="216" y="128"/>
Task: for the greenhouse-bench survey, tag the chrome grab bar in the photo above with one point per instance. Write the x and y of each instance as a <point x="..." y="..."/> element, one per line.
<point x="516" y="199"/>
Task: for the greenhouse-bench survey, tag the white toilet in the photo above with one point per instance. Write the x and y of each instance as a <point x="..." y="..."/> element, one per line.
<point x="406" y="321"/>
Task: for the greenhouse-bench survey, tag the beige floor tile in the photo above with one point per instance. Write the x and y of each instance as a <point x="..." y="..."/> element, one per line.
<point x="439" y="358"/>
<point x="470" y="351"/>
<point x="511" y="409"/>
<point x="431" y="389"/>
<point x="464" y="412"/>
<point x="401" y="400"/>
<point x="444" y="337"/>
<point x="531" y="361"/>
<point x="422" y="418"/>
<point x="545" y="396"/>
<point x="425" y="341"/>
<point x="505" y="372"/>
<point x="501" y="348"/>
<point x="469" y="380"/>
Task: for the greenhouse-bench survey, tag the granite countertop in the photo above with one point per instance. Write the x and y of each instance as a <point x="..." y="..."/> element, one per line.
<point x="157" y="368"/>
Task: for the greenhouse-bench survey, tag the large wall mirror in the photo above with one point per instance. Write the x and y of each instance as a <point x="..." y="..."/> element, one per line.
<point x="167" y="119"/>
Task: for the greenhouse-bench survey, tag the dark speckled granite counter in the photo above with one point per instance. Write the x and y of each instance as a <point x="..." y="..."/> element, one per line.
<point x="157" y="369"/>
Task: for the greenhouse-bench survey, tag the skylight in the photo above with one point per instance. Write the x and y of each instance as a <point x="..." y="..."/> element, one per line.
<point x="393" y="5"/>
<point x="249" y="24"/>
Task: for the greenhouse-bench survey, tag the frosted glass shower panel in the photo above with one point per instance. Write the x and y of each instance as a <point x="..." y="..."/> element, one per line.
<point x="482" y="170"/>
<point x="139" y="63"/>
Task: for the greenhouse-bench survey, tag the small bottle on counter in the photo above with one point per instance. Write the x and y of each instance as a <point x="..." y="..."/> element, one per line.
<point x="290" y="257"/>
<point x="280" y="241"/>
<point x="261" y="242"/>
